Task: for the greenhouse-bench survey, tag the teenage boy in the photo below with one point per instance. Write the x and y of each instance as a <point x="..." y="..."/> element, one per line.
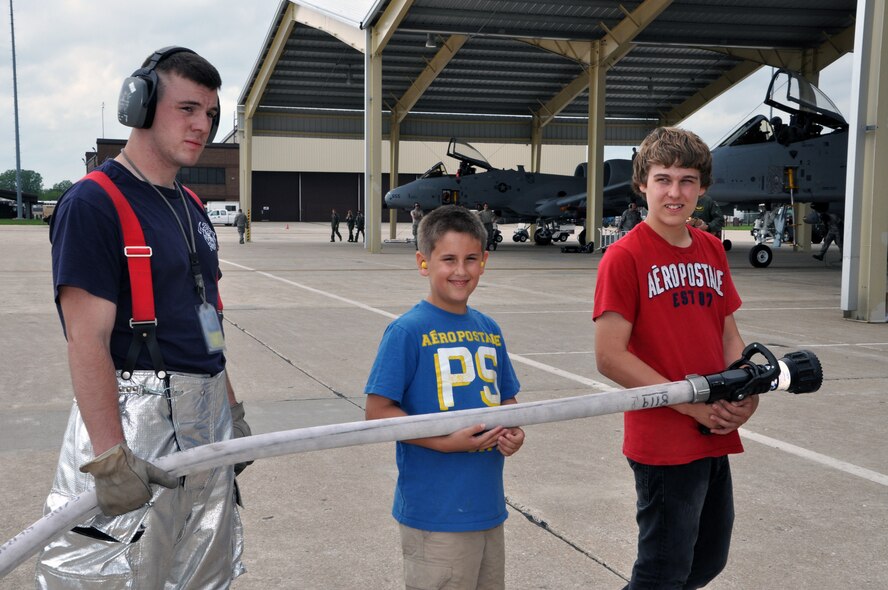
<point x="440" y="356"/>
<point x="664" y="305"/>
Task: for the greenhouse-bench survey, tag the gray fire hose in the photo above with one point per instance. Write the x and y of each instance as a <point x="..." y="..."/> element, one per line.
<point x="798" y="372"/>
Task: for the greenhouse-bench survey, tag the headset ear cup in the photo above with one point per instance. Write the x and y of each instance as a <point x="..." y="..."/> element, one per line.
<point x="214" y="127"/>
<point x="138" y="95"/>
<point x="132" y="104"/>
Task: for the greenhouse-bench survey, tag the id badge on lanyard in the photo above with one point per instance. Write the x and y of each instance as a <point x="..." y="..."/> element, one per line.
<point x="211" y="328"/>
<point x="206" y="313"/>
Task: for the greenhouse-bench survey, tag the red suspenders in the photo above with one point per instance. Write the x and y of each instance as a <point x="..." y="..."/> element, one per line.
<point x="138" y="257"/>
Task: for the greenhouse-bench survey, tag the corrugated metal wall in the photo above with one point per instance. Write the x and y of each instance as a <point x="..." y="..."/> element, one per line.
<point x="301" y="178"/>
<point x="303" y="154"/>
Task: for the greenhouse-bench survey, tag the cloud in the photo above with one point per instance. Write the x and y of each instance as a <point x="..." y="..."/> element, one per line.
<point x="72" y="57"/>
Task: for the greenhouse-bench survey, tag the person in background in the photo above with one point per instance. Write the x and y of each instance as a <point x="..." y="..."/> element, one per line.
<point x="656" y="321"/>
<point x="487" y="217"/>
<point x="359" y="225"/>
<point x="630" y="217"/>
<point x="240" y="222"/>
<point x="350" y="223"/>
<point x="415" y="217"/>
<point x="145" y="389"/>
<point x="334" y="226"/>
<point x="707" y="215"/>
<point x="832" y="223"/>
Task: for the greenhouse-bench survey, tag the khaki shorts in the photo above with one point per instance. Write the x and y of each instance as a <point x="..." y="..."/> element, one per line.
<point x="454" y="561"/>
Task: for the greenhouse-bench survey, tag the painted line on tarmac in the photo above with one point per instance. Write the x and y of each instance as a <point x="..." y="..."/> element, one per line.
<point x="561" y="373"/>
<point x="825" y="460"/>
<point x="363" y="306"/>
<point x="553" y="311"/>
<point x="873" y="476"/>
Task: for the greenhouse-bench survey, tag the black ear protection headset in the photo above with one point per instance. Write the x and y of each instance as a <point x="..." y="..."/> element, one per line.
<point x="138" y="96"/>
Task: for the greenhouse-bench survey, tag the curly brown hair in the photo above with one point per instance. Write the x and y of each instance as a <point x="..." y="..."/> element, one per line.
<point x="671" y="146"/>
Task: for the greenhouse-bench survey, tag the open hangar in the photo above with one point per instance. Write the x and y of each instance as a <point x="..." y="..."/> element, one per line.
<point x="321" y="519"/>
<point x="549" y="73"/>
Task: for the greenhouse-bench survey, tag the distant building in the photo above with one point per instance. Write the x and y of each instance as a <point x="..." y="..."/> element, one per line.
<point x="9" y="203"/>
<point x="302" y="178"/>
<point x="216" y="177"/>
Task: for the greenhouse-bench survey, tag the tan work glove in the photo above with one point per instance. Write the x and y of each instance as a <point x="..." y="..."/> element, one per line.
<point x="241" y="429"/>
<point x="122" y="479"/>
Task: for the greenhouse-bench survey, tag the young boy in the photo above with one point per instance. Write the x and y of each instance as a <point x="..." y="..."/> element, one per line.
<point x="664" y="304"/>
<point x="442" y="356"/>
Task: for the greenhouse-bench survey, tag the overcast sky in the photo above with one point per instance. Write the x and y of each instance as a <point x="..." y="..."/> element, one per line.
<point x="72" y="56"/>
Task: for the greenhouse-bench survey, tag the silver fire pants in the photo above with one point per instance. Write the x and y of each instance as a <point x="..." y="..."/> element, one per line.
<point x="189" y="537"/>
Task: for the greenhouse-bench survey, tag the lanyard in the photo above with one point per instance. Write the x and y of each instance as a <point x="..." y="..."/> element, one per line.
<point x="193" y="257"/>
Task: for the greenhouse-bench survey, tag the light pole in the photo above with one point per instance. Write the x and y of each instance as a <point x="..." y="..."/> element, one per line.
<point x="18" y="157"/>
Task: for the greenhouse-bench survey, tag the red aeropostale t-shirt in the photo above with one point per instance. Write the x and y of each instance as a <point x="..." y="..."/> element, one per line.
<point x="677" y="300"/>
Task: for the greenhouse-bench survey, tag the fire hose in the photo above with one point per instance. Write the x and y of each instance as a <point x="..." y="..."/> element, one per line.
<point x="797" y="372"/>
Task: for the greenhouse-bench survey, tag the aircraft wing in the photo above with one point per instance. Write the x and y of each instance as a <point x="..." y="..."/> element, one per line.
<point x="616" y="199"/>
<point x="617" y="193"/>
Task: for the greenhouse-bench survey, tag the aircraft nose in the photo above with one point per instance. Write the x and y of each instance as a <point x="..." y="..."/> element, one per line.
<point x="391" y="199"/>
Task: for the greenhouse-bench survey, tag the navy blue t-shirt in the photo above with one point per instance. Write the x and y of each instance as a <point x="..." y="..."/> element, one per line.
<point x="87" y="252"/>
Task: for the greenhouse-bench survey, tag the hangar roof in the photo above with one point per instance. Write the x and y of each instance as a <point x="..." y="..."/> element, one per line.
<point x="516" y="59"/>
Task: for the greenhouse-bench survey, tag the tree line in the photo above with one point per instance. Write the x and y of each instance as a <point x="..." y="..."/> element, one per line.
<point x="32" y="182"/>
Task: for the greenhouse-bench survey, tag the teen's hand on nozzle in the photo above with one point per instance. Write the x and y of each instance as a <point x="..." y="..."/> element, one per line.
<point x="729" y="416"/>
<point x="123" y="480"/>
<point x="510" y="441"/>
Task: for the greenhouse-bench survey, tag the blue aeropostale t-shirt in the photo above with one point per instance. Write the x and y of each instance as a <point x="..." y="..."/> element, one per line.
<point x="431" y="361"/>
<point x="87" y="252"/>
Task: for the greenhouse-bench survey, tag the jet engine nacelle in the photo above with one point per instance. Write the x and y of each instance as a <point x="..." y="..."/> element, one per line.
<point x="615" y="171"/>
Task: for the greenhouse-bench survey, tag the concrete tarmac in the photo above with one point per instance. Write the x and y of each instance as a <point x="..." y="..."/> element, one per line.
<point x="303" y="320"/>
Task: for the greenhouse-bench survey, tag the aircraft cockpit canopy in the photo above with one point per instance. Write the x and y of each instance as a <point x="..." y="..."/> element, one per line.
<point x="756" y="130"/>
<point x="791" y="93"/>
<point x="435" y="171"/>
<point x="465" y="153"/>
<point x="808" y="113"/>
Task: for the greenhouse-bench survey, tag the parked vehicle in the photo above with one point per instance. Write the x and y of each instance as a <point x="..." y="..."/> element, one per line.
<point x="222" y="212"/>
<point x="222" y="216"/>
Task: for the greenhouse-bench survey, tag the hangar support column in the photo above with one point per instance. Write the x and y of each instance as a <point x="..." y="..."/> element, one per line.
<point x="866" y="208"/>
<point x="394" y="155"/>
<point x="594" y="178"/>
<point x="536" y="142"/>
<point x="245" y="156"/>
<point x="373" y="146"/>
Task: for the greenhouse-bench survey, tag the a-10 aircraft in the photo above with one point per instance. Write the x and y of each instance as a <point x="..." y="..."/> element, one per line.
<point x="776" y="163"/>
<point x="764" y="162"/>
<point x="516" y="195"/>
<point x="770" y="163"/>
